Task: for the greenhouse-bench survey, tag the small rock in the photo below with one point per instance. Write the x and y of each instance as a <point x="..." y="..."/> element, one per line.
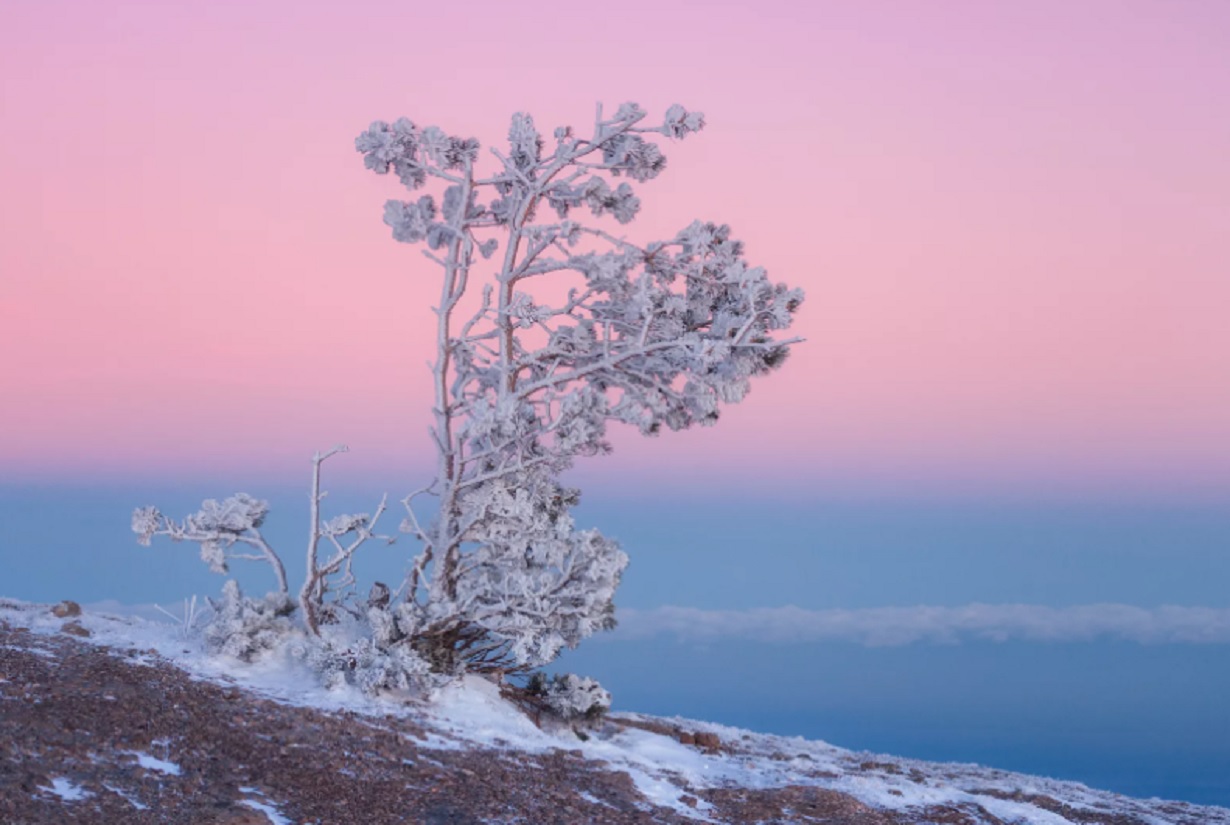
<point x="708" y="741"/>
<point x="65" y="609"/>
<point x="686" y="738"/>
<point x="75" y="629"/>
<point x="238" y="815"/>
<point x="690" y="801"/>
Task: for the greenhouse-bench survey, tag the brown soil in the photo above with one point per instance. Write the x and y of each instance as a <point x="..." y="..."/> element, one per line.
<point x="73" y="710"/>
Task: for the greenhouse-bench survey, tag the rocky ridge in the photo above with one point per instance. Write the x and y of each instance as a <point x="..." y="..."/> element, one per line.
<point x="105" y="719"/>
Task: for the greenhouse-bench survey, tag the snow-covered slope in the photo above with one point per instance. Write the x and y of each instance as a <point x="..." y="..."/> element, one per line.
<point x="733" y="775"/>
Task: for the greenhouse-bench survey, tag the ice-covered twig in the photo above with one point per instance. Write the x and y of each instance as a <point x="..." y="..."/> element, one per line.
<point x="216" y="527"/>
<point x="316" y="581"/>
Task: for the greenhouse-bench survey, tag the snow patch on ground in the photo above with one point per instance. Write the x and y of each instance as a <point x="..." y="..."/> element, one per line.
<point x="66" y="790"/>
<point x="153" y="763"/>
<point x="129" y="798"/>
<point x="271" y="811"/>
<point x="38" y="651"/>
<point x="593" y="800"/>
<point x="474" y="711"/>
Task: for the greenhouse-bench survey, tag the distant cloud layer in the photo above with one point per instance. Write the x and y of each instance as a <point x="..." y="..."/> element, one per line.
<point x="890" y="626"/>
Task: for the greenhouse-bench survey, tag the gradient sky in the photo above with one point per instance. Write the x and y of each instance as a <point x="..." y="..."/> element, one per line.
<point x="1010" y="220"/>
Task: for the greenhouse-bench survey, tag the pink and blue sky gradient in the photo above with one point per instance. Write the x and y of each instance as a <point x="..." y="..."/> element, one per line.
<point x="1012" y="221"/>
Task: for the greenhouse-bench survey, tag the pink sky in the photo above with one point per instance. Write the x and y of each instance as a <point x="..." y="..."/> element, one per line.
<point x="1011" y="220"/>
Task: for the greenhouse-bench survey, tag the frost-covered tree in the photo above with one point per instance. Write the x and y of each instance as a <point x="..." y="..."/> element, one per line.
<point x="574" y="327"/>
<point x="549" y="328"/>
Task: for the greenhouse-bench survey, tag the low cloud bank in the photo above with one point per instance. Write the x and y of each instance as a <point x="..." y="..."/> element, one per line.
<point x="890" y="626"/>
<point x="882" y="626"/>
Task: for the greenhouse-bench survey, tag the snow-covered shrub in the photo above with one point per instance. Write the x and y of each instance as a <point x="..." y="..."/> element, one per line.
<point x="243" y="627"/>
<point x="570" y="697"/>
<point x="532" y="585"/>
<point x="371" y="653"/>
<point x="370" y="667"/>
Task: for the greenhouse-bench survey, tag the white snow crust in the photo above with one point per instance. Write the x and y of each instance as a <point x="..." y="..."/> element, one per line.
<point x="131" y="799"/>
<point x="271" y="811"/>
<point x="66" y="790"/>
<point x="153" y="763"/>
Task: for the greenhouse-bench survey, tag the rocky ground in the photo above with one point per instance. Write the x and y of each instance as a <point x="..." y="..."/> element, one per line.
<point x="105" y="733"/>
